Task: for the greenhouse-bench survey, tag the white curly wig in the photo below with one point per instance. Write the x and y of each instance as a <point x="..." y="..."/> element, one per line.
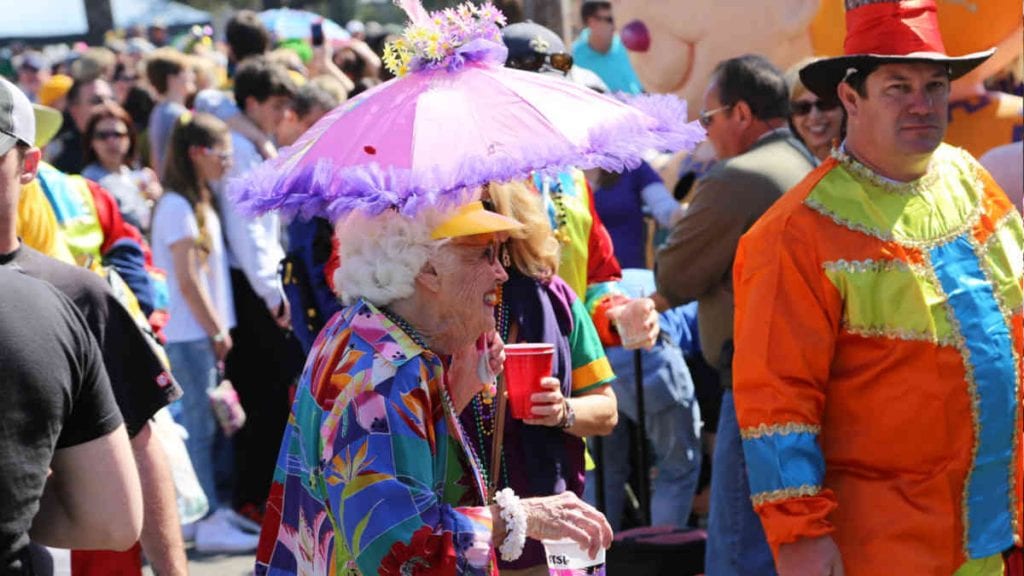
<point x="381" y="255"/>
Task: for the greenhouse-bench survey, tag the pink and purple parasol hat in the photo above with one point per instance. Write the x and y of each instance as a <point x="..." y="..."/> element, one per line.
<point x="452" y="120"/>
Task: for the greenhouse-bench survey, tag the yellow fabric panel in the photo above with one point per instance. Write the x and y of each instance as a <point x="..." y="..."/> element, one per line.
<point x="988" y="566"/>
<point x="890" y="301"/>
<point x="37" y="224"/>
<point x="1006" y="266"/>
<point x="934" y="211"/>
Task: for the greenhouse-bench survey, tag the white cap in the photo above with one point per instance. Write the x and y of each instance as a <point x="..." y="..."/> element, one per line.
<point x="17" y="121"/>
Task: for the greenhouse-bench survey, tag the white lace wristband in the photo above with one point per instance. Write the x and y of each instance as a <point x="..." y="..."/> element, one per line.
<point x="514" y="515"/>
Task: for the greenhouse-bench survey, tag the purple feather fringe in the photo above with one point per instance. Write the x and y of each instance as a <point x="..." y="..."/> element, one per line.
<point x="320" y="189"/>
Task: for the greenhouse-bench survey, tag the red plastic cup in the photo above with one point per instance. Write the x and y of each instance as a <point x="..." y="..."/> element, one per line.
<point x="525" y="365"/>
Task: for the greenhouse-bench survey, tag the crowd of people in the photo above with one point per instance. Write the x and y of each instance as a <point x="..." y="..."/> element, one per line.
<point x="827" y="324"/>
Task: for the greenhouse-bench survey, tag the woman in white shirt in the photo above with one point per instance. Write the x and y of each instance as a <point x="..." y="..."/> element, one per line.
<point x="189" y="245"/>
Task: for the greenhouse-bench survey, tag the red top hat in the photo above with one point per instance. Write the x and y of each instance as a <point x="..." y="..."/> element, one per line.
<point x="884" y="31"/>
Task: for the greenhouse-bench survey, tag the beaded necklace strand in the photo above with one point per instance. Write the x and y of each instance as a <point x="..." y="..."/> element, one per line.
<point x="405" y="326"/>
<point x="483" y="405"/>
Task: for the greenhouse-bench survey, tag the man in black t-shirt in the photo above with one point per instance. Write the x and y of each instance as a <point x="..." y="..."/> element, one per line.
<point x="68" y="477"/>
<point x="141" y="384"/>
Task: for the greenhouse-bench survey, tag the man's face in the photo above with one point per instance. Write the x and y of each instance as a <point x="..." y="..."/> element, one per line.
<point x="183" y="82"/>
<point x="16" y="170"/>
<point x="269" y="113"/>
<point x="91" y="94"/>
<point x="602" y="25"/>
<point x="31" y="79"/>
<point x="905" y="111"/>
<point x="724" y="133"/>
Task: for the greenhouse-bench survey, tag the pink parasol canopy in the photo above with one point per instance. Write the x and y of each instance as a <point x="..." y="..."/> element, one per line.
<point x="453" y="123"/>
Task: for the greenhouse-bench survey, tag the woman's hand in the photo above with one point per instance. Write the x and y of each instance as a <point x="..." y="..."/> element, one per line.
<point x="494" y="348"/>
<point x="549" y="405"/>
<point x="566" y="516"/>
<point x="150" y="185"/>
<point x="222" y="344"/>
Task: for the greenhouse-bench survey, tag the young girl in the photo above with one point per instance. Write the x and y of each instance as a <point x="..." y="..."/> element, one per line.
<point x="188" y="244"/>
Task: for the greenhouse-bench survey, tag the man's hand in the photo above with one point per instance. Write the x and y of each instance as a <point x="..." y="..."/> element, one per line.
<point x="282" y="315"/>
<point x="637" y="322"/>
<point x="810" y="557"/>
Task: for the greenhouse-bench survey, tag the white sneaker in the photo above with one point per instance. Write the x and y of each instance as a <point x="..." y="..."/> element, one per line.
<point x="240" y="521"/>
<point x="188" y="531"/>
<point x="216" y="534"/>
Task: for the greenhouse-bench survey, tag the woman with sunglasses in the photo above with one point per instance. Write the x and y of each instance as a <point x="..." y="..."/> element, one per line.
<point x="110" y="159"/>
<point x="817" y="123"/>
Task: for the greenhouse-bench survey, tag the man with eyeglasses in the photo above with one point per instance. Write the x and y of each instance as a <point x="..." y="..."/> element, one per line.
<point x="599" y="49"/>
<point x="745" y="110"/>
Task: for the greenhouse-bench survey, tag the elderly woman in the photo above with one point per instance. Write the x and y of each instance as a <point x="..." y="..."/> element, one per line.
<point x="818" y="123"/>
<point x="542" y="455"/>
<point x="375" y="475"/>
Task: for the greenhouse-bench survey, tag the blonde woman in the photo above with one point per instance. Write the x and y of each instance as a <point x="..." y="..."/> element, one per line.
<point x="543" y="455"/>
<point x="816" y="122"/>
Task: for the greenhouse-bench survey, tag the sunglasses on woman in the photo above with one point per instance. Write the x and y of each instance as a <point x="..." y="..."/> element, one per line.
<point x="534" y="61"/>
<point x="109" y="135"/>
<point x="803" y="107"/>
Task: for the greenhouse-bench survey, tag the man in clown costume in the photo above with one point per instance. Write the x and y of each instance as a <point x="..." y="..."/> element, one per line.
<point x="879" y="329"/>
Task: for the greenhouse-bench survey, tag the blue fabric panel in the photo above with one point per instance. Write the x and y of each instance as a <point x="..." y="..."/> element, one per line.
<point x="990" y="347"/>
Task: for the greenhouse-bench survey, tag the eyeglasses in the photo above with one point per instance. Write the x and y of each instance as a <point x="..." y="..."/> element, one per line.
<point x="534" y="61"/>
<point x="707" y="117"/>
<point x="605" y="19"/>
<point x="224" y="157"/>
<point x="803" y="107"/>
<point x="109" y="135"/>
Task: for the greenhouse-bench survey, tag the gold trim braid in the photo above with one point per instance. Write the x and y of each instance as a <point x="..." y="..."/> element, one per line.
<point x="762" y="430"/>
<point x="762" y="498"/>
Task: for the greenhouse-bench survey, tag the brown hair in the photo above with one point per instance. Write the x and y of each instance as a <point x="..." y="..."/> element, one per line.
<point x="102" y="112"/>
<point x="163" y="63"/>
<point x="533" y="248"/>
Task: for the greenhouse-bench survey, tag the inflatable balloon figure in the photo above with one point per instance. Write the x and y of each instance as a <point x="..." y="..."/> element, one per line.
<point x="675" y="44"/>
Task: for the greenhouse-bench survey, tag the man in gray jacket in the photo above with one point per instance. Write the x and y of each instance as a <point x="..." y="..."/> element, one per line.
<point x="745" y="110"/>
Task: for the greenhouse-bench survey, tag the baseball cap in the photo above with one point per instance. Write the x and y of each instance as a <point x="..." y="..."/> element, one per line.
<point x="17" y="121"/>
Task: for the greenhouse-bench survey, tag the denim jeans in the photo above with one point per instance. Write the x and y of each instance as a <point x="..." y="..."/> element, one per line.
<point x="736" y="541"/>
<point x="195" y="368"/>
<point x="673" y="422"/>
<point x="677" y="457"/>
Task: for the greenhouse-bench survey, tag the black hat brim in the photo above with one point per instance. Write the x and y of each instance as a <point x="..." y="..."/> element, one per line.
<point x="823" y="76"/>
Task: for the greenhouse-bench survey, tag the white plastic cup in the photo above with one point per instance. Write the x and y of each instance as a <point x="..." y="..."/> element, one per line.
<point x="565" y="558"/>
<point x="630" y="326"/>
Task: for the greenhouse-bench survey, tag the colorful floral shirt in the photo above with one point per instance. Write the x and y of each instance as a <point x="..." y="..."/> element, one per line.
<point x="878" y="372"/>
<point x="373" y="476"/>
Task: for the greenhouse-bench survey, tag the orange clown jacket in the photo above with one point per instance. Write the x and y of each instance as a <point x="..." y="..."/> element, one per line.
<point x="878" y="370"/>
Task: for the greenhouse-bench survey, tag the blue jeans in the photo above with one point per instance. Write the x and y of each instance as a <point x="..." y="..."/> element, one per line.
<point x="672" y="419"/>
<point x="672" y="434"/>
<point x="736" y="541"/>
<point x="195" y="368"/>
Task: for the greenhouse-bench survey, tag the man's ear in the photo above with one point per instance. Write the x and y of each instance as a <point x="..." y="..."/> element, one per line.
<point x="429" y="278"/>
<point x="849" y="98"/>
<point x="30" y="165"/>
<point x="743" y="112"/>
